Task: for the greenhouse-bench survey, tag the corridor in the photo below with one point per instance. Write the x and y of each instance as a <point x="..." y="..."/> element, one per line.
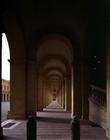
<point x="60" y="53"/>
<point x="54" y="126"/>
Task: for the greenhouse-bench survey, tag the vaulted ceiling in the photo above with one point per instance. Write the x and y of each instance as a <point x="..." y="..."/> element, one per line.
<point x="76" y="16"/>
<point x="85" y="23"/>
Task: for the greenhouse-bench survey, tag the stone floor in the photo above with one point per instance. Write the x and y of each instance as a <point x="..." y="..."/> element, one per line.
<point x="54" y="126"/>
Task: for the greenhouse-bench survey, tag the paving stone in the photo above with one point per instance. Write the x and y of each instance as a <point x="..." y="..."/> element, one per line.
<point x="55" y="126"/>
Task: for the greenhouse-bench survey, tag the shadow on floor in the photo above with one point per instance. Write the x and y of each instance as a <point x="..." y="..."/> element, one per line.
<point x="10" y="138"/>
<point x="54" y="120"/>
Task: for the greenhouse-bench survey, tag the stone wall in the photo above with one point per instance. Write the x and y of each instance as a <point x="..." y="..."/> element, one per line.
<point x="97" y="113"/>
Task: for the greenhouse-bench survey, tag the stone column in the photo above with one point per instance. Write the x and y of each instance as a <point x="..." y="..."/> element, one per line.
<point x="31" y="83"/>
<point x="60" y="92"/>
<point x="65" y="86"/>
<point x="44" y="94"/>
<point x="77" y="97"/>
<point x="18" y="45"/>
<point x="85" y="88"/>
<point x="108" y="90"/>
<point x="85" y="67"/>
<point x="17" y="89"/>
<point x="63" y="93"/>
<point x="40" y="94"/>
<point x="68" y="83"/>
<point x="1" y="129"/>
<point x="72" y="92"/>
<point x="47" y="92"/>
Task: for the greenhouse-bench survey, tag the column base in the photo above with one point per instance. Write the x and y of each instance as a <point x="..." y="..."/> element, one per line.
<point x="72" y="116"/>
<point x="31" y="114"/>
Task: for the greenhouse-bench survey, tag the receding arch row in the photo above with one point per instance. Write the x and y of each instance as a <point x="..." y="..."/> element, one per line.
<point x="28" y="73"/>
<point x="60" y="58"/>
<point x="54" y="59"/>
<point x="59" y="69"/>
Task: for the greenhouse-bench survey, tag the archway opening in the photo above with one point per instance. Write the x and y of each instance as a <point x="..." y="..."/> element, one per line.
<point x="5" y="77"/>
<point x="54" y="59"/>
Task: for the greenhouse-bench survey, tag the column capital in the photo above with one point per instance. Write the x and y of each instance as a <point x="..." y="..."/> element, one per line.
<point x="21" y="61"/>
<point x="17" y="61"/>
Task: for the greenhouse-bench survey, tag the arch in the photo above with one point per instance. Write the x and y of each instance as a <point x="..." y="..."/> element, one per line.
<point x="73" y="37"/>
<point x="54" y="76"/>
<point x="15" y="36"/>
<point x="46" y="59"/>
<point x="47" y="70"/>
<point x="5" y="58"/>
<point x="55" y="36"/>
<point x="55" y="44"/>
<point x="54" y="62"/>
<point x="53" y="73"/>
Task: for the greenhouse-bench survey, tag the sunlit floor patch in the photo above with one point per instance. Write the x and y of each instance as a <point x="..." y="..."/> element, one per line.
<point x="10" y="124"/>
